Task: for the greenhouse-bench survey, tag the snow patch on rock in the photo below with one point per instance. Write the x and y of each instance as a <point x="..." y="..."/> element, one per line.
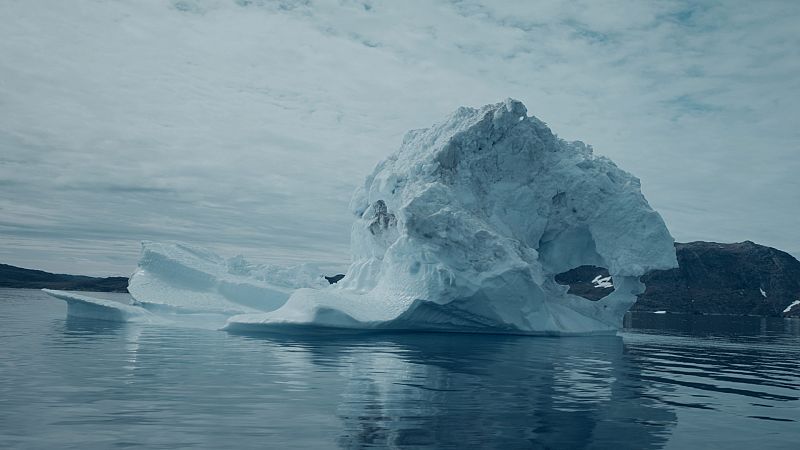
<point x="791" y="306"/>
<point x="602" y="282"/>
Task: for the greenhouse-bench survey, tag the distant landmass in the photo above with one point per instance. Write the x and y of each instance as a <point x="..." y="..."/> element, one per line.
<point x="17" y="277"/>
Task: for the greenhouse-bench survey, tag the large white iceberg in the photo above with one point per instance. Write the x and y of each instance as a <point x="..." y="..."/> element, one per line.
<point x="464" y="228"/>
<point x="466" y="225"/>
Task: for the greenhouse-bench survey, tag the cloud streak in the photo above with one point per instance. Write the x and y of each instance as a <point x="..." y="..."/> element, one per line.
<point x="245" y="125"/>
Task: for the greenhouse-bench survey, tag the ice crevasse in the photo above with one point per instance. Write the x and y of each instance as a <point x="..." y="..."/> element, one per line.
<point x="465" y="227"/>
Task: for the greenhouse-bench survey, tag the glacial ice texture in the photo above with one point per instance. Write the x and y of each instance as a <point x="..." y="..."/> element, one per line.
<point x="181" y="284"/>
<point x="180" y="278"/>
<point x="465" y="227"/>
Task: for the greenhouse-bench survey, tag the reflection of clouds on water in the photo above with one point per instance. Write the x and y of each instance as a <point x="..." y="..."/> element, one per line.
<point x="443" y="390"/>
<point x="695" y="384"/>
<point x="451" y="390"/>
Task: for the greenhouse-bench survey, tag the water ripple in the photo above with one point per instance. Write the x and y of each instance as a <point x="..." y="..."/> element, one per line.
<point x="662" y="384"/>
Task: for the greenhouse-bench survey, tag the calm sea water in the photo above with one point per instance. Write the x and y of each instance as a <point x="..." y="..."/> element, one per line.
<point x="666" y="382"/>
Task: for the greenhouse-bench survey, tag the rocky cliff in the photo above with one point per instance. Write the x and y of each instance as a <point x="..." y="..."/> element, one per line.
<point x="743" y="279"/>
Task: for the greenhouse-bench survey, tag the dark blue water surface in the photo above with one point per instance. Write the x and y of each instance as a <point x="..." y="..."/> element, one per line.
<point x="666" y="382"/>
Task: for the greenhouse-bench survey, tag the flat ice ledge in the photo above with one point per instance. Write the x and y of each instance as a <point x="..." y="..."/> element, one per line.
<point x="86" y="307"/>
<point x="335" y="311"/>
<point x="256" y="324"/>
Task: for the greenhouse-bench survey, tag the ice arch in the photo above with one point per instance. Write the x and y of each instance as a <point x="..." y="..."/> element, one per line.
<point x="465" y="227"/>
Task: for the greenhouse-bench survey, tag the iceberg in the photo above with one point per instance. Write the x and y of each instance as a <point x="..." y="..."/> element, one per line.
<point x="464" y="229"/>
<point x="180" y="278"/>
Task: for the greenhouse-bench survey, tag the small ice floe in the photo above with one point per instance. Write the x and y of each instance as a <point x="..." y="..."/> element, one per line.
<point x="763" y="294"/>
<point x="602" y="282"/>
<point x="789" y="308"/>
<point x="659" y="312"/>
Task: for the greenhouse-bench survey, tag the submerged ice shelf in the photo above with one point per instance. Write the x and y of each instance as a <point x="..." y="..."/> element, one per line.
<point x="86" y="307"/>
<point x="463" y="229"/>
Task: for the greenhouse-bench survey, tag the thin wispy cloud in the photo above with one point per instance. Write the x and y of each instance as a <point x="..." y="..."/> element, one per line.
<point x="245" y="125"/>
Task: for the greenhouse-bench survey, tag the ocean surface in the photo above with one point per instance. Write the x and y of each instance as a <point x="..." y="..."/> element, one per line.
<point x="667" y="381"/>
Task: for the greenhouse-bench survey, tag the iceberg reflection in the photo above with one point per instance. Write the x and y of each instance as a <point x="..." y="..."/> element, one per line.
<point x="452" y="390"/>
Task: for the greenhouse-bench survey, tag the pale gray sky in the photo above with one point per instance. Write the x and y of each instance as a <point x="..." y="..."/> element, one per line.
<point x="244" y="125"/>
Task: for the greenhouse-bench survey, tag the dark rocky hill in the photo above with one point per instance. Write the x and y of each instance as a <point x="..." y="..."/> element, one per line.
<point x="589" y="282"/>
<point x="17" y="277"/>
<point x="712" y="278"/>
<point x="334" y="279"/>
<point x="743" y="279"/>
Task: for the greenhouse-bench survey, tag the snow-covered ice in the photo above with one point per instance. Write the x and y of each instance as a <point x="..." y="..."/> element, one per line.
<point x="466" y="225"/>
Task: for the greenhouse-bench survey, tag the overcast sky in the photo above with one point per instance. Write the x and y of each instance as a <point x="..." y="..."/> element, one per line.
<point x="244" y="125"/>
